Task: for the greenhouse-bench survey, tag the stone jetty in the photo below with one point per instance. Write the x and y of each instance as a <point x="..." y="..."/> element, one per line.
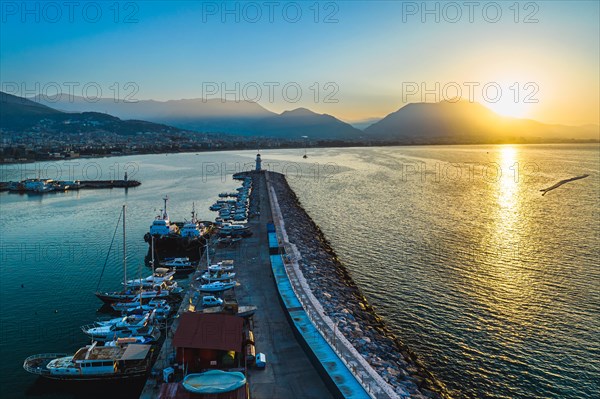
<point x="343" y="302"/>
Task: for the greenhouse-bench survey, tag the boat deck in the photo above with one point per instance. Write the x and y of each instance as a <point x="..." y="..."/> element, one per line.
<point x="99" y="353"/>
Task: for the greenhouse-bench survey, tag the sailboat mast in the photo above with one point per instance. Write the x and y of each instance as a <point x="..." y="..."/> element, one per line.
<point x="153" y="255"/>
<point x="124" y="250"/>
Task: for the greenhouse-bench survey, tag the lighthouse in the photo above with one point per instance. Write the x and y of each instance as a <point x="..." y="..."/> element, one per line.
<point x="258" y="162"/>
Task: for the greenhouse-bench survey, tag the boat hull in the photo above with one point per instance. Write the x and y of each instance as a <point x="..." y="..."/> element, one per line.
<point x="175" y="246"/>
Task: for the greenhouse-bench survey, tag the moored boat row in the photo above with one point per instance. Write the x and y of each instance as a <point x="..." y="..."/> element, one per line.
<point x="144" y="304"/>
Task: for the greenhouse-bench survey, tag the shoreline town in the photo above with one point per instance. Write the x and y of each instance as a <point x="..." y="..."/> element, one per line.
<point x="269" y="312"/>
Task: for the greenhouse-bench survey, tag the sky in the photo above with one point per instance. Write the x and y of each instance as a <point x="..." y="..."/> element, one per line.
<point x="355" y="60"/>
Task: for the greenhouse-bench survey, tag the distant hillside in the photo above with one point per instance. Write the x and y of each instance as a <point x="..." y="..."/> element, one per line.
<point x="466" y="122"/>
<point x="18" y="114"/>
<point x="419" y="123"/>
<point x="303" y="122"/>
<point x="212" y="115"/>
<point x="218" y="116"/>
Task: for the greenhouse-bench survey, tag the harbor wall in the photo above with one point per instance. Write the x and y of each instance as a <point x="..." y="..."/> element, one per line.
<point x="353" y="319"/>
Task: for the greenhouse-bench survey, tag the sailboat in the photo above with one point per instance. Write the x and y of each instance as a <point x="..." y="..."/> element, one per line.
<point x="129" y="294"/>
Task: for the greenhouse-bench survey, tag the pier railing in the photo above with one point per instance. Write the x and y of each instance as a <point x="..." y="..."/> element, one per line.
<point x="368" y="377"/>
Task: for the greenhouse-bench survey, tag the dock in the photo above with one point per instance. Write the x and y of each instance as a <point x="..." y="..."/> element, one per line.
<point x="290" y="373"/>
<point x="43" y="186"/>
<point x="307" y="356"/>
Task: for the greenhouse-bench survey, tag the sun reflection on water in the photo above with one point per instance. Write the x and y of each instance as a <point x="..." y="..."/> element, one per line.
<point x="509" y="284"/>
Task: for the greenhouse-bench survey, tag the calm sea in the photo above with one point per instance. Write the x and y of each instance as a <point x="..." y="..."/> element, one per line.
<point x="493" y="285"/>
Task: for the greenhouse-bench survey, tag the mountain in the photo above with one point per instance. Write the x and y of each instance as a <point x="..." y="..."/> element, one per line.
<point x="303" y="122"/>
<point x="467" y="122"/>
<point x="213" y="115"/>
<point x="18" y="114"/>
<point x="18" y="111"/>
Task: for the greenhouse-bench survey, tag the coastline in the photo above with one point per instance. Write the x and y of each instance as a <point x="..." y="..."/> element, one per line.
<point x="343" y="301"/>
<point x="300" y="146"/>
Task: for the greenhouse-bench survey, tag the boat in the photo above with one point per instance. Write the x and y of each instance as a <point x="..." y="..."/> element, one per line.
<point x="179" y="264"/>
<point x="129" y="340"/>
<point x="228" y="240"/>
<point x="104" y="333"/>
<point x="217" y="286"/>
<point x="232" y="309"/>
<point x="127" y="293"/>
<point x="173" y="239"/>
<point x="124" y="321"/>
<point x="216" y="276"/>
<point x="93" y="362"/>
<point x="193" y="229"/>
<point x="234" y="230"/>
<point x="159" y="276"/>
<point x="161" y="308"/>
<point x="38" y="185"/>
<point x="225" y="265"/>
<point x="161" y="226"/>
<point x="158" y="292"/>
<point x="153" y="304"/>
<point x="215" y="383"/>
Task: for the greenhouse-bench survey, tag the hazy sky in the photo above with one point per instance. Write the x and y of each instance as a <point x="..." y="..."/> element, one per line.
<point x="351" y="59"/>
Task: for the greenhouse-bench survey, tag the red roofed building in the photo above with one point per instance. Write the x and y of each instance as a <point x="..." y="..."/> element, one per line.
<point x="206" y="341"/>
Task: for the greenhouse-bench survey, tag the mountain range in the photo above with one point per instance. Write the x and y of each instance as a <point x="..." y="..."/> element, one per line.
<point x="417" y="123"/>
<point x="20" y="114"/>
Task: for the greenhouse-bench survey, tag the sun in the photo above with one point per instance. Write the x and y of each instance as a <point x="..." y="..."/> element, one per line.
<point x="509" y="107"/>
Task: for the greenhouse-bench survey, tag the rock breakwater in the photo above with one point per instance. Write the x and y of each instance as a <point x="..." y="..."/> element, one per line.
<point x="344" y="303"/>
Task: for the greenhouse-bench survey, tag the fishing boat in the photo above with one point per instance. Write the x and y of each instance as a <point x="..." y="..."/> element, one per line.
<point x="161" y="225"/>
<point x="176" y="239"/>
<point x="192" y="230"/>
<point x="93" y="362"/>
<point x="217" y="286"/>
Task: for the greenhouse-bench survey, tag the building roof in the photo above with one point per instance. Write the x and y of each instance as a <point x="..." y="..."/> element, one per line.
<point x="209" y="331"/>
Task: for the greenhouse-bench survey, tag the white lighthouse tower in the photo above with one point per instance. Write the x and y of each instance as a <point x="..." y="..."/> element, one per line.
<point x="258" y="163"/>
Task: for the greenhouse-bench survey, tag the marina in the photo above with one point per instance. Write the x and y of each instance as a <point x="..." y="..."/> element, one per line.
<point x="288" y="286"/>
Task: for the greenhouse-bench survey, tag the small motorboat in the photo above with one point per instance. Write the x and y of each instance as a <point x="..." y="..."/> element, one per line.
<point x="161" y="308"/>
<point x="223" y="266"/>
<point x="159" y="276"/>
<point x="217" y="286"/>
<point x="216" y="276"/>
<point x="179" y="264"/>
<point x="108" y="333"/>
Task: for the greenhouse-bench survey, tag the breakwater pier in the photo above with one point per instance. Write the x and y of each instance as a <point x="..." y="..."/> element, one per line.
<point x="320" y="336"/>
